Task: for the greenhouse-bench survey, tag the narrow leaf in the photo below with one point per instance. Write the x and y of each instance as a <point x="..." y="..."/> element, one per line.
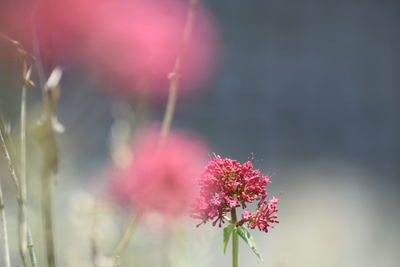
<point x="227" y="235"/>
<point x="246" y="236"/>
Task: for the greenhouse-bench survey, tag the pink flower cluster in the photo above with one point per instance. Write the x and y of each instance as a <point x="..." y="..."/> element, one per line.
<point x="161" y="177"/>
<point x="225" y="185"/>
<point x="264" y="217"/>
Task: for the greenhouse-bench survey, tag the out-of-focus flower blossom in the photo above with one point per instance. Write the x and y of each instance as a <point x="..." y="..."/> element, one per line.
<point x="161" y="177"/>
<point x="58" y="27"/>
<point x="225" y="185"/>
<point x="131" y="44"/>
<point x="139" y="44"/>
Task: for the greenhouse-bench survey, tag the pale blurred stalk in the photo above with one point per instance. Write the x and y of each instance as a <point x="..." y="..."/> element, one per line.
<point x="24" y="233"/>
<point x="123" y="243"/>
<point x="3" y="221"/>
<point x="175" y="74"/>
<point x="45" y="132"/>
<point x="22" y="217"/>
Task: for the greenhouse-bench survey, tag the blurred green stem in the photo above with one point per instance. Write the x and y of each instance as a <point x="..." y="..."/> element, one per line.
<point x="24" y="233"/>
<point x="235" y="241"/>
<point x="4" y="138"/>
<point x="47" y="198"/>
<point x="7" y="144"/>
<point x="123" y="243"/>
<point x="3" y="222"/>
<point x="22" y="217"/>
<point x="174" y="76"/>
<point x="45" y="132"/>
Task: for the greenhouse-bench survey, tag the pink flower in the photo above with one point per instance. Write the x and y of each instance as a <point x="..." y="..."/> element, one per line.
<point x="136" y="48"/>
<point x="246" y="215"/>
<point x="233" y="202"/>
<point x="129" y="44"/>
<point x="161" y="178"/>
<point x="265" y="216"/>
<point x="225" y="185"/>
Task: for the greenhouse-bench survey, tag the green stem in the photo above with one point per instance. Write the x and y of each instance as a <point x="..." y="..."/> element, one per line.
<point x="47" y="185"/>
<point x="22" y="217"/>
<point x="4" y="137"/>
<point x="174" y="76"/>
<point x="6" y="144"/>
<point x="170" y="109"/>
<point x="123" y="243"/>
<point x="45" y="133"/>
<point x="24" y="232"/>
<point x="31" y="249"/>
<point x="235" y="241"/>
<point x="3" y="223"/>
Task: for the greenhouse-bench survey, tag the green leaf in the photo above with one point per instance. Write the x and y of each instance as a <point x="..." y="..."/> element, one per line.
<point x="246" y="236"/>
<point x="227" y="234"/>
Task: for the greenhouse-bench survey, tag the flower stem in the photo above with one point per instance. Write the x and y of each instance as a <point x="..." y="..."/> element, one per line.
<point x="24" y="232"/>
<point x="7" y="147"/>
<point x="45" y="133"/>
<point x="3" y="222"/>
<point x="47" y="198"/>
<point x="174" y="76"/>
<point x="123" y="243"/>
<point x="4" y="144"/>
<point x="22" y="214"/>
<point x="31" y="249"/>
<point x="235" y="241"/>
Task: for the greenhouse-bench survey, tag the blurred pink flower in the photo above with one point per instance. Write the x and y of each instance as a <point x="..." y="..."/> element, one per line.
<point x="131" y="44"/>
<point x="138" y="46"/>
<point x="161" y="178"/>
<point x="225" y="185"/>
<point x="59" y="27"/>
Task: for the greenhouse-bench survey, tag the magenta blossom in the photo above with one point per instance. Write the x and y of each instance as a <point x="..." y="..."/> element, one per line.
<point x="130" y="45"/>
<point x="226" y="185"/>
<point x="161" y="177"/>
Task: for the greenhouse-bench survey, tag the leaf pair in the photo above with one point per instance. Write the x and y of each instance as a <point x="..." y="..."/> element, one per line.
<point x="244" y="234"/>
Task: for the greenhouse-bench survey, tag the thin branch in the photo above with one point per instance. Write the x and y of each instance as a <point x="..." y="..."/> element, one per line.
<point x="22" y="214"/>
<point x="174" y="76"/>
<point x="31" y="249"/>
<point x="7" y="149"/>
<point x="123" y="243"/>
<point x="5" y="135"/>
<point x="3" y="221"/>
<point x="227" y="219"/>
<point x="18" y="46"/>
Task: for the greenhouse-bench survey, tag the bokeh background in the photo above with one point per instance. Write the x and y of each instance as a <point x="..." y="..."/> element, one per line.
<point x="309" y="89"/>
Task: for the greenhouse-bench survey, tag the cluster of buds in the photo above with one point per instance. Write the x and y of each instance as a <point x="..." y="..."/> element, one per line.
<point x="264" y="217"/>
<point x="226" y="185"/>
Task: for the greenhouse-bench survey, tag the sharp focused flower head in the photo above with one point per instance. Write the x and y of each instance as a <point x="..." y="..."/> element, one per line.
<point x="225" y="185"/>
